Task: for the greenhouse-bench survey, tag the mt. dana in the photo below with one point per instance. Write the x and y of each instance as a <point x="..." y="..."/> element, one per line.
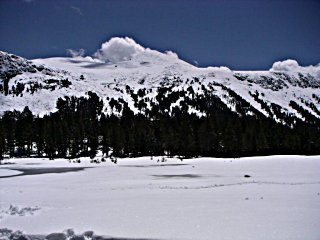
<point x="127" y="100"/>
<point x="122" y="68"/>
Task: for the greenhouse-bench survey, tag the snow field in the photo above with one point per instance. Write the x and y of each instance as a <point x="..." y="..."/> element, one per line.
<point x="203" y="198"/>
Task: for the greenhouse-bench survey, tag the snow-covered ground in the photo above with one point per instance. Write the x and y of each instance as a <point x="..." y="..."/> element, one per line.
<point x="143" y="198"/>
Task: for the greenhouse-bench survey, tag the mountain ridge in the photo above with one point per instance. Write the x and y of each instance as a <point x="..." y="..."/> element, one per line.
<point x="129" y="64"/>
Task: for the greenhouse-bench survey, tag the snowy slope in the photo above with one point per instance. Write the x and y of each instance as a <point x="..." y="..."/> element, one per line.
<point x="121" y="62"/>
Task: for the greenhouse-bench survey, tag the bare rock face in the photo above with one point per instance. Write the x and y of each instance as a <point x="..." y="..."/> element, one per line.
<point x="12" y="65"/>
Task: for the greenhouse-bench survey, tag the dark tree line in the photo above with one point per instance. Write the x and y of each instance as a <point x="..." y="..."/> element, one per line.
<point x="81" y="128"/>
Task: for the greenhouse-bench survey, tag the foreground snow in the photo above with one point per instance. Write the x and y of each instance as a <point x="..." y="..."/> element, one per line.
<point x="194" y="199"/>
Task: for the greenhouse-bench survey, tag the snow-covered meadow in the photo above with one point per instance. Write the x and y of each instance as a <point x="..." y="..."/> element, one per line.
<point x="275" y="197"/>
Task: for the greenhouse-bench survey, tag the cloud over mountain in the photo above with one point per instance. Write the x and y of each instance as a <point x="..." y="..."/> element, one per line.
<point x="286" y="65"/>
<point x="293" y="65"/>
<point x="76" y="53"/>
<point x="118" y="49"/>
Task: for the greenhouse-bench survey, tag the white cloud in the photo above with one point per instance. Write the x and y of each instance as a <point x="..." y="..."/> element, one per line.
<point x="287" y="65"/>
<point x="293" y="66"/>
<point x="77" y="10"/>
<point x="76" y="53"/>
<point x="118" y="49"/>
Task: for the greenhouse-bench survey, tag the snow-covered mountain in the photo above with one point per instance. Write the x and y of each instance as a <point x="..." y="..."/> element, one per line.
<point x="122" y="65"/>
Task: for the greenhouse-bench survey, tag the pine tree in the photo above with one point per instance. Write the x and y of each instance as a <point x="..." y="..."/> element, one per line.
<point x="24" y="131"/>
<point x="2" y="142"/>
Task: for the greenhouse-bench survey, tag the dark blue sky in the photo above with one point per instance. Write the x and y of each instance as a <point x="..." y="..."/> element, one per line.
<point x="240" y="34"/>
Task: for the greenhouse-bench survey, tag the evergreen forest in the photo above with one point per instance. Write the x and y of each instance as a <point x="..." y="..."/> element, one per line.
<point x="81" y="126"/>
